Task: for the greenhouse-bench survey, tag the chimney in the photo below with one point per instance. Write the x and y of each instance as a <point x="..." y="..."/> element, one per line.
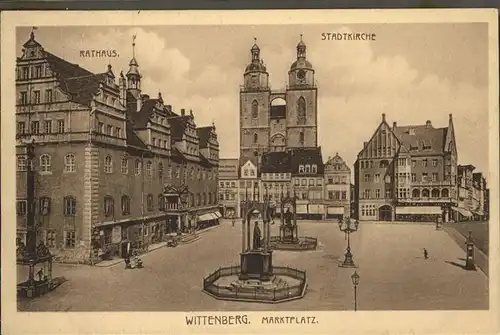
<point x="428" y="124"/>
<point x="183" y="112"/>
<point x="394" y="125"/>
<point x="383" y="117"/>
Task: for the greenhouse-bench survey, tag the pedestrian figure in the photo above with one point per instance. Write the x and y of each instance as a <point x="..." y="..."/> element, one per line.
<point x="426" y="254"/>
<point x="233" y="222"/>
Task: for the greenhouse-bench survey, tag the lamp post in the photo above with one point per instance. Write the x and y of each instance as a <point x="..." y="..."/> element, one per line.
<point x="355" y="282"/>
<point x="346" y="227"/>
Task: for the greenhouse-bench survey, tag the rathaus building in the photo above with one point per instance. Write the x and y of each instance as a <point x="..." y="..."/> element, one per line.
<point x="277" y="120"/>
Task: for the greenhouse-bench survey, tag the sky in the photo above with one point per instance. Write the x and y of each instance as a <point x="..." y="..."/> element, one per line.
<point x="411" y="72"/>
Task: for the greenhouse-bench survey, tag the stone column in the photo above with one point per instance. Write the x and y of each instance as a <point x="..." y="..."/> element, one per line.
<point x="243" y="234"/>
<point x="249" y="230"/>
<point x="268" y="233"/>
<point x="264" y="233"/>
<point x="178" y="223"/>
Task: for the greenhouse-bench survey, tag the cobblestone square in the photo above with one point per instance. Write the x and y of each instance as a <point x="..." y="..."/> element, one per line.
<point x="394" y="274"/>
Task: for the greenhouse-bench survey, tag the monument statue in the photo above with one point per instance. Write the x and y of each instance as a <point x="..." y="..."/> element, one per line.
<point x="256" y="236"/>
<point x="288" y="217"/>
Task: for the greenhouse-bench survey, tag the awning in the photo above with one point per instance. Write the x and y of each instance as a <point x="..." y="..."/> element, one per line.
<point x="301" y="209"/>
<point x="316" y="209"/>
<point x="278" y="209"/>
<point x="205" y="217"/>
<point x="463" y="211"/>
<point x="217" y="214"/>
<point x="419" y="210"/>
<point x="335" y="210"/>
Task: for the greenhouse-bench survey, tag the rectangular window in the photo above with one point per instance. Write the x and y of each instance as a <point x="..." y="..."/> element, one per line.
<point x="48" y="95"/>
<point x="70" y="240"/>
<point x="118" y="132"/>
<point x="21" y="128"/>
<point x="311" y="182"/>
<point x="100" y="127"/>
<point x="60" y="126"/>
<point x="388" y="194"/>
<point x="35" y="127"/>
<point x="434" y="176"/>
<point x="109" y="130"/>
<point x="301" y="168"/>
<point x="38" y="71"/>
<point x="304" y="182"/>
<point x="330" y="195"/>
<point x="434" y="162"/>
<point x="366" y="194"/>
<point x="36" y="97"/>
<point x="23" y="99"/>
<point x="366" y="178"/>
<point x="337" y="195"/>
<point x="154" y="142"/>
<point x="26" y="72"/>
<point x="296" y="182"/>
<point x="413" y="163"/>
<point x="377" y="193"/>
<point x="424" y="162"/>
<point x="377" y="178"/>
<point x="21" y="207"/>
<point x="413" y="177"/>
<point x="48" y="126"/>
<point x="424" y="177"/>
<point x="50" y="238"/>
<point x="344" y="195"/>
<point x="319" y="182"/>
<point x="330" y="181"/>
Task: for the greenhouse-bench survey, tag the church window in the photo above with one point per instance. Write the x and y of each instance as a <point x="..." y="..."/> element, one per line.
<point x="255" y="109"/>
<point x="301" y="137"/>
<point x="301" y="111"/>
<point x="255" y="138"/>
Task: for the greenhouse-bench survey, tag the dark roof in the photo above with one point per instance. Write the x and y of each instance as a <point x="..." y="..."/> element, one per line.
<point x="133" y="139"/>
<point x="244" y="160"/>
<point x="275" y="162"/>
<point x="140" y="119"/>
<point x="423" y="135"/>
<point x="278" y="112"/>
<point x="177" y="156"/>
<point x="65" y="68"/>
<point x="178" y="126"/>
<point x="304" y="156"/>
<point x="83" y="89"/>
<point x="256" y="66"/>
<point x="302" y="64"/>
<point x="31" y="42"/>
<point x="204" y="161"/>
<point x="204" y="135"/>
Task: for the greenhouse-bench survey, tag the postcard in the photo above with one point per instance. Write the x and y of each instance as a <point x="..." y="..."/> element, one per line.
<point x="233" y="172"/>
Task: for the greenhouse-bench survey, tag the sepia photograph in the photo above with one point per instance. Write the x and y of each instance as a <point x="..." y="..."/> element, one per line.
<point x="217" y="169"/>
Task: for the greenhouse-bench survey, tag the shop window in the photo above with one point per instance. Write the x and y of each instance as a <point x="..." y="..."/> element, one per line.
<point x="70" y="239"/>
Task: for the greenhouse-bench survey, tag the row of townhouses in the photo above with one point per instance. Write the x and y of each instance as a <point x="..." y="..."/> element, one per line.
<point x="111" y="163"/>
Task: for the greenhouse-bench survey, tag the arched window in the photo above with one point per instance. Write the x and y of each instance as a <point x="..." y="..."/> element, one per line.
<point x="435" y="193"/>
<point x="124" y="165"/>
<point x="125" y="205"/>
<point x="425" y="193"/>
<point x="137" y="167"/>
<point x="255" y="109"/>
<point x="445" y="193"/>
<point x="301" y="111"/>
<point x="69" y="206"/>
<point x="45" y="163"/>
<point x="416" y="193"/>
<point x="108" y="164"/>
<point x="301" y="137"/>
<point x="160" y="170"/>
<point x="149" y="202"/>
<point x="149" y="168"/>
<point x="255" y="138"/>
<point x="109" y="206"/>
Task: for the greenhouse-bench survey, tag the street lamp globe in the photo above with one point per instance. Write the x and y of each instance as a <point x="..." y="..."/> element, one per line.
<point x="355" y="279"/>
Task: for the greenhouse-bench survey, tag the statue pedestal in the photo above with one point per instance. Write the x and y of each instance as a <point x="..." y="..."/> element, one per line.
<point x="288" y="234"/>
<point x="256" y="264"/>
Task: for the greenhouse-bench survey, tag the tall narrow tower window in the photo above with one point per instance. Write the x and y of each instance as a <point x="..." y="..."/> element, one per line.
<point x="301" y="111"/>
<point x="255" y="138"/>
<point x="301" y="138"/>
<point x="255" y="109"/>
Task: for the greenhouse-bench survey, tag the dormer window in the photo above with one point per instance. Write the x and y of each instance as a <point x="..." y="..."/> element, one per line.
<point x="308" y="168"/>
<point x="245" y="172"/>
<point x="301" y="168"/>
<point x="314" y="168"/>
<point x="26" y="72"/>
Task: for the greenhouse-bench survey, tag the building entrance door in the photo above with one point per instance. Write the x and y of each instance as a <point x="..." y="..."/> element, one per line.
<point x="385" y="213"/>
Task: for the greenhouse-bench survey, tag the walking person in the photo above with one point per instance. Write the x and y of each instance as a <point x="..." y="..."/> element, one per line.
<point x="426" y="254"/>
<point x="233" y="222"/>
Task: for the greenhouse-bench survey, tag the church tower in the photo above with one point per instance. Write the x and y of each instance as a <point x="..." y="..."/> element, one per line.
<point x="133" y="75"/>
<point x="254" y="108"/>
<point x="302" y="102"/>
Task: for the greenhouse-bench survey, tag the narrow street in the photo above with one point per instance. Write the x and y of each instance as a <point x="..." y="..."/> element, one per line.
<point x="394" y="275"/>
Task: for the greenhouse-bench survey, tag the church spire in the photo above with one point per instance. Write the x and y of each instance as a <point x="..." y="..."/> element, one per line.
<point x="133" y="74"/>
<point x="301" y="49"/>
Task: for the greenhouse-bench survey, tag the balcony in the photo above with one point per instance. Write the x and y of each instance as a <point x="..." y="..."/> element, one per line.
<point x="432" y="183"/>
<point x="428" y="199"/>
<point x="175" y="207"/>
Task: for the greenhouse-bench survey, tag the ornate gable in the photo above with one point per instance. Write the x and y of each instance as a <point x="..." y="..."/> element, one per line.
<point x="383" y="143"/>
